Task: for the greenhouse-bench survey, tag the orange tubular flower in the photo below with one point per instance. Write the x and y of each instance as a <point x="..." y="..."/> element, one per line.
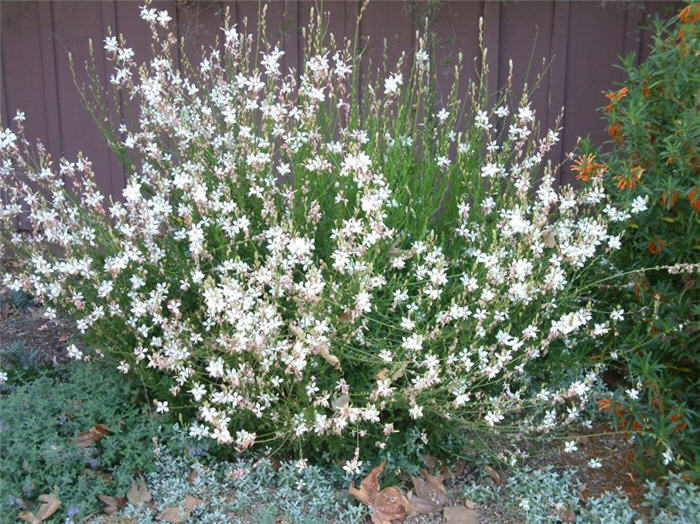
<point x="614" y="97"/>
<point x="586" y="168"/>
<point x="605" y="404"/>
<point x="694" y="199"/>
<point x="615" y="131"/>
<point x="669" y="202"/>
<point x="630" y="180"/>
<point x="689" y="14"/>
<point x="655" y="246"/>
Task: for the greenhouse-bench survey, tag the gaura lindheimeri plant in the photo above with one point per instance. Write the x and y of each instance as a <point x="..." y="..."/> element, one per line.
<point x="297" y="265"/>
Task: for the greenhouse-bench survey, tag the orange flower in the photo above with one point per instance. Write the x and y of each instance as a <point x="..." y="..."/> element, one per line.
<point x="604" y="404"/>
<point x="615" y="131"/>
<point x="694" y="199"/>
<point x="585" y="167"/>
<point x="614" y="97"/>
<point x="689" y="13"/>
<point x="669" y="202"/>
<point x="630" y="180"/>
<point x="655" y="247"/>
<point x="646" y="92"/>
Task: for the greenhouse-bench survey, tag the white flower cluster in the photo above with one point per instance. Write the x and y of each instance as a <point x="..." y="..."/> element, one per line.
<point x="273" y="260"/>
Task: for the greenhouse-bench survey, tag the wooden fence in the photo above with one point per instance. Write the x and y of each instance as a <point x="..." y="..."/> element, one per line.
<point x="581" y="40"/>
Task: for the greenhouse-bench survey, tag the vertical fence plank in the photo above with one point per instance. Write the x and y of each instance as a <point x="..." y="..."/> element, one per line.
<point x="78" y="131"/>
<point x="596" y="39"/>
<point x="583" y="41"/>
<point x="559" y="49"/>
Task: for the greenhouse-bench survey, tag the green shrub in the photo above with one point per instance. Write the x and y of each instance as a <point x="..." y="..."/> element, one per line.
<point x="346" y="274"/>
<point x="652" y="165"/>
<point x="40" y="421"/>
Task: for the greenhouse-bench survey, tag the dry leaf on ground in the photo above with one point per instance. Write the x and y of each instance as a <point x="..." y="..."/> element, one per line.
<point x="177" y="515"/>
<point x="49" y="506"/>
<point x="138" y="493"/>
<point x="387" y="505"/>
<point x="92" y="435"/>
<point x="460" y="515"/>
<point x="112" y="504"/>
<point x="497" y="479"/>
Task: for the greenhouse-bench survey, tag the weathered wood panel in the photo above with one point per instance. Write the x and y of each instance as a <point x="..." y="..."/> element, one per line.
<point x="580" y="42"/>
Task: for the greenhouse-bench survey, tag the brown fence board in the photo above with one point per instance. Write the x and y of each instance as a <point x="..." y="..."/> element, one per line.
<point x="581" y="41"/>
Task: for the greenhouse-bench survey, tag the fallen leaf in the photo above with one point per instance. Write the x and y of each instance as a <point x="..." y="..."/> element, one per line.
<point x="192" y="476"/>
<point x="49" y="506"/>
<point x="470" y="504"/>
<point x="494" y="475"/>
<point x="583" y="493"/>
<point x="387" y="505"/>
<point x="460" y="515"/>
<point x="192" y="502"/>
<point x="390" y="504"/>
<point x="421" y="506"/>
<point x="112" y="504"/>
<point x="369" y="487"/>
<point x="177" y="515"/>
<point x="28" y="516"/>
<point x="566" y="515"/>
<point x="138" y="493"/>
<point x="431" y="488"/>
<point x="92" y="435"/>
<point x="174" y="515"/>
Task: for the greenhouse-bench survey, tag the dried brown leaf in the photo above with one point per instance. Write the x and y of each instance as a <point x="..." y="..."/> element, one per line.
<point x="112" y="504"/>
<point x="390" y="504"/>
<point x="431" y="488"/>
<point x="49" y="506"/>
<point x="192" y="502"/>
<point x="192" y="476"/>
<point x="174" y="515"/>
<point x="369" y="487"/>
<point x="460" y="515"/>
<point x="566" y="515"/>
<point x="494" y="475"/>
<point x="421" y="506"/>
<point x="470" y="504"/>
<point x="28" y="516"/>
<point x="138" y="493"/>
<point x="92" y="435"/>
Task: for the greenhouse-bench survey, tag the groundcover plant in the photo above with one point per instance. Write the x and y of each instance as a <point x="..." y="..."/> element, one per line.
<point x="303" y="265"/>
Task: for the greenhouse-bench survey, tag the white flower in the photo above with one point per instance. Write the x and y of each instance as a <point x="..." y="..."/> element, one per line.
<point x="198" y="392"/>
<point x="443" y="115"/>
<point x="632" y="393"/>
<point x="617" y="315"/>
<point x="668" y="456"/>
<point x="161" y="407"/>
<point x="3" y="377"/>
<point x="123" y="367"/>
<point x="74" y="352"/>
<point x="111" y="44"/>
<point x="639" y="204"/>
<point x="595" y="463"/>
<point x="416" y="412"/>
<point x="570" y="446"/>
<point x="392" y="83"/>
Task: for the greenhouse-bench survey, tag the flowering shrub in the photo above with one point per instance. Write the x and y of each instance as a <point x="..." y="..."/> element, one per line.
<point x="295" y="265"/>
<point x="652" y="167"/>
